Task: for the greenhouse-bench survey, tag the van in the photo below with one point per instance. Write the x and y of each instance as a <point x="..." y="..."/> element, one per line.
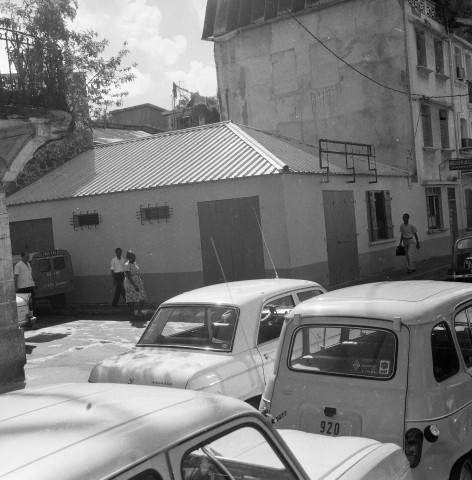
<point x="53" y="276"/>
<point x="390" y="361"/>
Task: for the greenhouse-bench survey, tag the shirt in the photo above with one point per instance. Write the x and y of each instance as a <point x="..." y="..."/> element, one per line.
<point x="25" y="278"/>
<point x="118" y="265"/>
<point x="408" y="231"/>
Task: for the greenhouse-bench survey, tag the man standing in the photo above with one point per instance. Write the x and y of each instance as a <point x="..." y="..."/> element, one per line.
<point x="23" y="277"/>
<point x="408" y="237"/>
<point x="118" y="275"/>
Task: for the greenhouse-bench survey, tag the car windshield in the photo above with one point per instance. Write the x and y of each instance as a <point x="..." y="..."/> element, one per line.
<point x="192" y="326"/>
<point x="343" y="350"/>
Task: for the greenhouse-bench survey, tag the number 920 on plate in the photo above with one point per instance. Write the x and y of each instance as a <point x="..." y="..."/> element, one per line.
<point x="335" y="428"/>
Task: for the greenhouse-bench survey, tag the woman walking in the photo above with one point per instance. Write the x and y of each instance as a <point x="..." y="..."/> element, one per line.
<point x="134" y="287"/>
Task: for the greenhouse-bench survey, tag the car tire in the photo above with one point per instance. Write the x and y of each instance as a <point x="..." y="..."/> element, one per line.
<point x="462" y="469"/>
<point x="58" y="301"/>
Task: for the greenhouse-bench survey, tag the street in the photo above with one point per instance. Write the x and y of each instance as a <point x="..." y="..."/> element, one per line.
<point x="62" y="348"/>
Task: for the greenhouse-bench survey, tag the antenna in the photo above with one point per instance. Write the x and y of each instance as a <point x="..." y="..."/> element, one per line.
<point x="218" y="258"/>
<point x="265" y="243"/>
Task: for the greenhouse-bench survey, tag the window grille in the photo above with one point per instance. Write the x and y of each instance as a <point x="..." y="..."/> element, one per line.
<point x="82" y="220"/>
<point x="155" y="213"/>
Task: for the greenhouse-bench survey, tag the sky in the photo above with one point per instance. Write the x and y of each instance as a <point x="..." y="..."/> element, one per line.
<point x="164" y="39"/>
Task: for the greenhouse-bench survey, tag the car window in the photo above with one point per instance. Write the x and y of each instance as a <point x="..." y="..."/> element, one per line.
<point x="445" y="359"/>
<point x="59" y="263"/>
<point x="307" y="294"/>
<point x="44" y="265"/>
<point x="272" y="318"/>
<point x="192" y="326"/>
<point x="344" y="350"/>
<point x="464" y="334"/>
<point x="241" y="453"/>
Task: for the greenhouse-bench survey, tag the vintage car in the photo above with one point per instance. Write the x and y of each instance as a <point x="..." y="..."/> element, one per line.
<point x="461" y="260"/>
<point x="390" y="361"/>
<point x="124" y="432"/>
<point x="221" y="338"/>
<point x="24" y="308"/>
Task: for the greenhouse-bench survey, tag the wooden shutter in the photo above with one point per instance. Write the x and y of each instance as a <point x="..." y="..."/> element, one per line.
<point x="388" y="213"/>
<point x="373" y="229"/>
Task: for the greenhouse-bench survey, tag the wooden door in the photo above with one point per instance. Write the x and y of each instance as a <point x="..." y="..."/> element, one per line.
<point x="341" y="236"/>
<point x="233" y="226"/>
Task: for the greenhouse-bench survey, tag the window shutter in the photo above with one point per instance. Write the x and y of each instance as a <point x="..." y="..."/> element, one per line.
<point x="374" y="235"/>
<point x="388" y="213"/>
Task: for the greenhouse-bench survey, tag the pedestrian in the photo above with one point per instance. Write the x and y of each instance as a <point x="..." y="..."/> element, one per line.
<point x="408" y="237"/>
<point x="134" y="286"/>
<point x="24" y="282"/>
<point x="118" y="275"/>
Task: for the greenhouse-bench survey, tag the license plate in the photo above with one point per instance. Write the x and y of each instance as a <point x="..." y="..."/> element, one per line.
<point x="335" y="428"/>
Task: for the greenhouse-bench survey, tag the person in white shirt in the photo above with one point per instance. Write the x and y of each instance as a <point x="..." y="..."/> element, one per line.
<point x="24" y="282"/>
<point x="409" y="237"/>
<point x="118" y="275"/>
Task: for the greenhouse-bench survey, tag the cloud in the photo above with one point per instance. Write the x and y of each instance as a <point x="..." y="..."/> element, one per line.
<point x="200" y="78"/>
<point x="199" y="7"/>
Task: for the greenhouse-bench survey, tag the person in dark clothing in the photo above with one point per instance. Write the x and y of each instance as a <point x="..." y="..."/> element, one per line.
<point x="118" y="275"/>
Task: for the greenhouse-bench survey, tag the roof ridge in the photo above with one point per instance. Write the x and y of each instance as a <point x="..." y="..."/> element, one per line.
<point x="258" y="147"/>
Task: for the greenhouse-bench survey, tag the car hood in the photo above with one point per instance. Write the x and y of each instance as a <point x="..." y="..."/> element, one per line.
<point x="324" y="457"/>
<point x="160" y="367"/>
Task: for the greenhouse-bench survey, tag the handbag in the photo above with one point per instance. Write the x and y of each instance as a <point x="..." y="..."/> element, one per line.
<point x="400" y="251"/>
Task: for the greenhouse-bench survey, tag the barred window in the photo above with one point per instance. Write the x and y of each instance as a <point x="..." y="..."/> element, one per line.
<point x="81" y="220"/>
<point x="154" y="213"/>
<point x="434" y="208"/>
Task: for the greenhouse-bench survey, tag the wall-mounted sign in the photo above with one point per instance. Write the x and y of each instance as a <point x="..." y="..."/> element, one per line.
<point x="462" y="164"/>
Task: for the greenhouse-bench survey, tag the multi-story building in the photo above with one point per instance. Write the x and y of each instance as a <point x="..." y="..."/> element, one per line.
<point x="381" y="72"/>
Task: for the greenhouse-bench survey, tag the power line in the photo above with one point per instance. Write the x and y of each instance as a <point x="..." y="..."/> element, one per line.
<point x="366" y="76"/>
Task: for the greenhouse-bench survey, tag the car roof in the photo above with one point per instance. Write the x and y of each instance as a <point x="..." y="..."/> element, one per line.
<point x="415" y="301"/>
<point x="88" y="430"/>
<point x="241" y="291"/>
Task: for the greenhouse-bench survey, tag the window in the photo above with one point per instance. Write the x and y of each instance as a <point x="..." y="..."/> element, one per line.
<point x="460" y="71"/>
<point x="464" y="334"/>
<point x="427" y="127"/>
<point x="421" y="47"/>
<point x="80" y="220"/>
<point x="59" y="263"/>
<point x="433" y="208"/>
<point x="150" y="213"/>
<point x="380" y="215"/>
<point x="272" y="318"/>
<point x="302" y="296"/>
<point x="445" y="359"/>
<point x="468" y="207"/>
<point x="444" y="128"/>
<point x="241" y="453"/>
<point x="44" y="265"/>
<point x="343" y="350"/>
<point x="192" y="326"/>
<point x="439" y="55"/>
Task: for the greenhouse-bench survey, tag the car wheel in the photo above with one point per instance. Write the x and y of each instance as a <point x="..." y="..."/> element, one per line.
<point x="58" y="301"/>
<point x="462" y="469"/>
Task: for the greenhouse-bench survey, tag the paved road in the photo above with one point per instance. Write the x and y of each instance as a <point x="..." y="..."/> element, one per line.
<point x="62" y="349"/>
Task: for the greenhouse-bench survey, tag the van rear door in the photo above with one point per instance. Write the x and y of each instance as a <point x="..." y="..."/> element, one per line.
<point x="52" y="273"/>
<point x="342" y="377"/>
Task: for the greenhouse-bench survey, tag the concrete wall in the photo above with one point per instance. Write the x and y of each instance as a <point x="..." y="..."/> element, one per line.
<point x="169" y="254"/>
<point x="278" y="78"/>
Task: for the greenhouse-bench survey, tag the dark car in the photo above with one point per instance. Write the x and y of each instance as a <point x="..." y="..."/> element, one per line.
<point x="461" y="261"/>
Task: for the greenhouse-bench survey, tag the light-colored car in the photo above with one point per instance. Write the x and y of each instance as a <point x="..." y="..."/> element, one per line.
<point x="24" y="308"/>
<point x="390" y="361"/>
<point x="123" y="432"/>
<point x="221" y="338"/>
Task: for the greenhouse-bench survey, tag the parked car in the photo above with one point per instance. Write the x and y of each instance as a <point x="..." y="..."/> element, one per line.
<point x="24" y="308"/>
<point x="221" y="338"/>
<point x="461" y="260"/>
<point x="390" y="361"/>
<point x="84" y="431"/>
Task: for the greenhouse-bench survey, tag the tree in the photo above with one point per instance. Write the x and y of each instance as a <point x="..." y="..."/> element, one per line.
<point x="92" y="83"/>
<point x="456" y="15"/>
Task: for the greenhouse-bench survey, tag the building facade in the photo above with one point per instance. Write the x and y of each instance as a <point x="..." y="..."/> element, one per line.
<point x="379" y="72"/>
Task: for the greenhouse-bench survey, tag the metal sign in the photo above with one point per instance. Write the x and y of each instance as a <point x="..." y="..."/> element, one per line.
<point x="462" y="164"/>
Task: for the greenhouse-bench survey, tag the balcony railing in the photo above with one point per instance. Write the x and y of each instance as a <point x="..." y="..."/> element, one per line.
<point x="34" y="73"/>
<point x="426" y="7"/>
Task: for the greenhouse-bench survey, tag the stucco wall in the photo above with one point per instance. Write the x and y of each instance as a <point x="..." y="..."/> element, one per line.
<point x="278" y="78"/>
<point x="169" y="254"/>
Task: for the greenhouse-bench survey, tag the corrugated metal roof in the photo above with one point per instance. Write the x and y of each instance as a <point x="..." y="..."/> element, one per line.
<point x="109" y="135"/>
<point x="201" y="154"/>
